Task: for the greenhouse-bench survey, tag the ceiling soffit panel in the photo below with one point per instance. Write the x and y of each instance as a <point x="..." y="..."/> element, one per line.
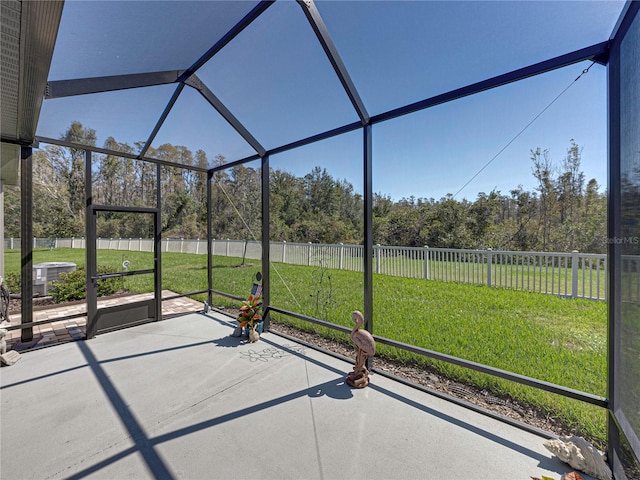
<point x="29" y="31"/>
<point x="40" y="28"/>
<point x="10" y="71"/>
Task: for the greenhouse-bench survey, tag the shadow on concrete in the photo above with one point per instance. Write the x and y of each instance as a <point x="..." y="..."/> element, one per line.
<point x="335" y="388"/>
<point x="154" y="462"/>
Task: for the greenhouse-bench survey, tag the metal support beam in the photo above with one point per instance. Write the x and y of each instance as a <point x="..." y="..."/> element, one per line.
<point x="107" y="151"/>
<point x="265" y="238"/>
<point x="614" y="259"/>
<point x="230" y="35"/>
<point x="594" y="52"/>
<point x="316" y="138"/>
<point x="317" y="24"/>
<point x="235" y="163"/>
<point x="590" y="53"/>
<point x="209" y="241"/>
<point x="26" y="240"/>
<point x="83" y="86"/>
<point x="163" y="117"/>
<point x="215" y="102"/>
<point x="367" y="161"/>
<point x="90" y="250"/>
<point x="157" y="279"/>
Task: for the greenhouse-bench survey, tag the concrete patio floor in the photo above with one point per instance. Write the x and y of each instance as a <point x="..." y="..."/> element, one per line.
<point x="181" y="399"/>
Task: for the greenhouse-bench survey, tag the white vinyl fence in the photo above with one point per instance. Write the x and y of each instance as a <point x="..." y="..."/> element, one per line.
<point x="574" y="274"/>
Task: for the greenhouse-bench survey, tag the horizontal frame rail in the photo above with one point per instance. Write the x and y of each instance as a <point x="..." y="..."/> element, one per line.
<point x="116" y="153"/>
<point x="496" y="372"/>
<point x="104" y="276"/>
<point x="299" y="316"/>
<point x="225" y="294"/>
<point x="182" y="295"/>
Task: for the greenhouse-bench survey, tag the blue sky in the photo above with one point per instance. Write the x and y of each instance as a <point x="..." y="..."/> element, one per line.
<point x="275" y="78"/>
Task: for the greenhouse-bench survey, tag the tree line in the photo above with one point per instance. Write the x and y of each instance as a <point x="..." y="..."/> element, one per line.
<point x="563" y="212"/>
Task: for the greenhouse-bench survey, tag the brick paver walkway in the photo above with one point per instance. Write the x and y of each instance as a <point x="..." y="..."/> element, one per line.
<point x="75" y="329"/>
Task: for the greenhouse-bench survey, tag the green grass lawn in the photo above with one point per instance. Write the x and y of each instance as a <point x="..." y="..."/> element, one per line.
<point x="542" y="336"/>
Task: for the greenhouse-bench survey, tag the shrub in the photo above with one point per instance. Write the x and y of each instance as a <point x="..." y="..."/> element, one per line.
<point x="13" y="281"/>
<point x="72" y="285"/>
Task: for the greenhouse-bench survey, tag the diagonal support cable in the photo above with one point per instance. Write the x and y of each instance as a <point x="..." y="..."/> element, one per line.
<point x="515" y="137"/>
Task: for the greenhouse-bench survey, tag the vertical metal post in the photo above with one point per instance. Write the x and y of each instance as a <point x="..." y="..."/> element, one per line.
<point x="209" y="241"/>
<point x="266" y="238"/>
<point x="489" y="261"/>
<point x="368" y="225"/>
<point x="614" y="258"/>
<point x="90" y="250"/>
<point x="157" y="280"/>
<point x="26" y="235"/>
